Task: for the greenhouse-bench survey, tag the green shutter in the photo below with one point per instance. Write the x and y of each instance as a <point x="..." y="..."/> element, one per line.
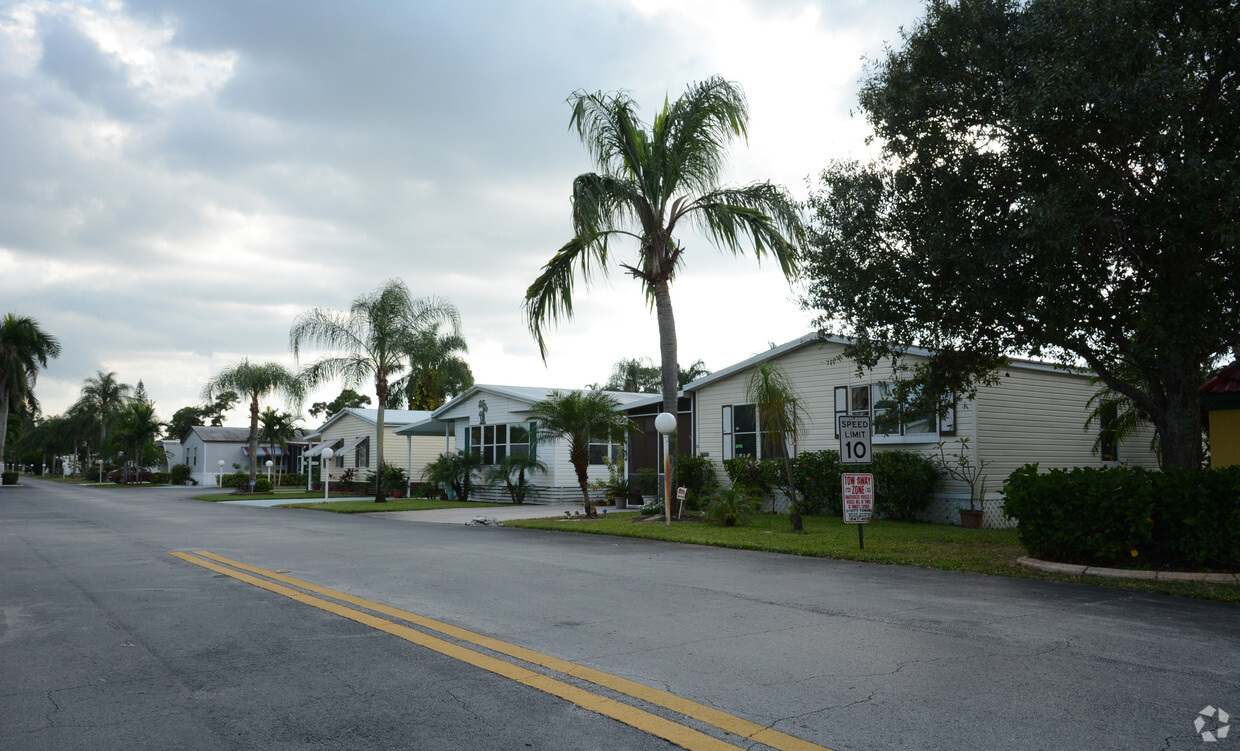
<point x="533" y="440"/>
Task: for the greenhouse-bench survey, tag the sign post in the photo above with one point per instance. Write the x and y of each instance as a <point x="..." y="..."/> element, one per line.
<point x="858" y="496"/>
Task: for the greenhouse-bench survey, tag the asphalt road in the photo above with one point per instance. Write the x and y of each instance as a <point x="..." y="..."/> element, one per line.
<point x="108" y="641"/>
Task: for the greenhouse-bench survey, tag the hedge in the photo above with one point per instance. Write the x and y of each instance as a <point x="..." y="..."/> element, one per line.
<point x="903" y="481"/>
<point x="1128" y="516"/>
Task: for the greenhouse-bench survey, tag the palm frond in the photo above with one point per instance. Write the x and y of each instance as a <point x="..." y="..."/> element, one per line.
<point x="762" y="212"/>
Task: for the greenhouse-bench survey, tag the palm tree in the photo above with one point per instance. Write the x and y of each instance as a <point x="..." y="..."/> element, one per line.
<point x="435" y="370"/>
<point x="104" y="395"/>
<point x="374" y="336"/>
<point x="652" y="178"/>
<point x="580" y="417"/>
<point x="136" y="431"/>
<point x="780" y="419"/>
<point x="511" y="471"/>
<point x="24" y="348"/>
<point x="277" y="429"/>
<point x="256" y="380"/>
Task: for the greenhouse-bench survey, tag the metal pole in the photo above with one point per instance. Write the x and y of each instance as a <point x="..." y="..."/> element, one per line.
<point x="667" y="483"/>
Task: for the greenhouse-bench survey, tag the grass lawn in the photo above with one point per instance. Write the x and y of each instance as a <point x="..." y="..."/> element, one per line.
<point x="988" y="551"/>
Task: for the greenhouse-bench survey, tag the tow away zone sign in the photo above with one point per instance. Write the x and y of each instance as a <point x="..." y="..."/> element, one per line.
<point x="858" y="497"/>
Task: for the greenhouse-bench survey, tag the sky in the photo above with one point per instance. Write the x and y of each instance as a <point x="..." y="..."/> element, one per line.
<point x="179" y="180"/>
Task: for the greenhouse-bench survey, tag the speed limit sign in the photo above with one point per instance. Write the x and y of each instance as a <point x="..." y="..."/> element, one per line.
<point x="855" y="439"/>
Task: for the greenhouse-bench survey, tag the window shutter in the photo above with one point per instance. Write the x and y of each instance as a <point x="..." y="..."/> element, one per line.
<point x="841" y="406"/>
<point x="728" y="444"/>
<point x="533" y="440"/>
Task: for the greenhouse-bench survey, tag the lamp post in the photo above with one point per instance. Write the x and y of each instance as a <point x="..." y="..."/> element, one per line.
<point x="270" y="464"/>
<point x="327" y="475"/>
<point x="221" y="477"/>
<point x="665" y="423"/>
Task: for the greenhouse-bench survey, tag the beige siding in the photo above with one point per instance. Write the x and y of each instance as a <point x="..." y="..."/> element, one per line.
<point x="1038" y="415"/>
<point x="815" y="369"/>
<point x="395" y="447"/>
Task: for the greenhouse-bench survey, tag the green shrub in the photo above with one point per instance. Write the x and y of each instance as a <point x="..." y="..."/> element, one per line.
<point x="1128" y="516"/>
<point x="645" y="481"/>
<point x="697" y="475"/>
<point x="903" y="484"/>
<point x="757" y="475"/>
<point x="817" y="478"/>
<point x="8" y="478"/>
<point x="731" y="506"/>
<point x="262" y="485"/>
<point x="160" y="478"/>
<point x="180" y="474"/>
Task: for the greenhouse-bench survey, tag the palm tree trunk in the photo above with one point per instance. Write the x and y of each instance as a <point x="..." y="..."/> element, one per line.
<point x="4" y="419"/>
<point x="794" y="514"/>
<point x="581" y="463"/>
<point x="669" y="364"/>
<point x="381" y="391"/>
<point x="253" y="439"/>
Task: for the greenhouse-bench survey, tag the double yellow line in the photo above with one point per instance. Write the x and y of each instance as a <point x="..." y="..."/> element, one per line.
<point x="676" y="733"/>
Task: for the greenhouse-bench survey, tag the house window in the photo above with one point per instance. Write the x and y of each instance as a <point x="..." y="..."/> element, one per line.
<point x="1108" y="441"/>
<point x="600" y="450"/>
<point x="892" y="416"/>
<point x="361" y="455"/>
<point x="748" y="438"/>
<point x="338" y="458"/>
<point x="494" y="442"/>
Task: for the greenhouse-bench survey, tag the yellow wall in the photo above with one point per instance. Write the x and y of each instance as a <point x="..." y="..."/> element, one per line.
<point x="1224" y="437"/>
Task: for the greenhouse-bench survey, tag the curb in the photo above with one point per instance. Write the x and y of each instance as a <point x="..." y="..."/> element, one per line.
<point x="1121" y="573"/>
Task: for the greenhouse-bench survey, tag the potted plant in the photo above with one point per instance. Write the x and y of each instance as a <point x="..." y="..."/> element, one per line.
<point x="959" y="466"/>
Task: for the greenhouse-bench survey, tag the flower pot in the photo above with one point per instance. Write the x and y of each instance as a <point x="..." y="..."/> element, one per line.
<point x="971" y="518"/>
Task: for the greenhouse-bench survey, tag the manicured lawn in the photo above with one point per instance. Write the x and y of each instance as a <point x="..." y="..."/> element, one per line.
<point x="404" y="504"/>
<point x="991" y="551"/>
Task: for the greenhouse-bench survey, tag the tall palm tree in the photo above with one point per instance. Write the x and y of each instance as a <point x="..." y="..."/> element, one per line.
<point x="104" y="395"/>
<point x="256" y="380"/>
<point x="780" y="418"/>
<point x="436" y="369"/>
<point x="374" y="335"/>
<point x="651" y="179"/>
<point x="24" y="348"/>
<point x="580" y="417"/>
<point x="277" y="429"/>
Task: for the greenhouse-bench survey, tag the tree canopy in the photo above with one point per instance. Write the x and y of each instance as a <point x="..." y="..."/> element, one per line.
<point x="372" y="339"/>
<point x="255" y="381"/>
<point x="1058" y="179"/>
<point x="346" y="399"/>
<point x="579" y="418"/>
<point x="654" y="179"/>
<point x="24" y="348"/>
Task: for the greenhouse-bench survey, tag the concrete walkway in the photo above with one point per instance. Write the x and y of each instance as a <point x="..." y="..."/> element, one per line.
<point x="464" y="515"/>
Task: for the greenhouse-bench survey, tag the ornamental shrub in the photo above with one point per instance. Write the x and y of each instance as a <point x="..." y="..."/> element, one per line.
<point x="161" y="478"/>
<point x="180" y="474"/>
<point x="817" y="477"/>
<point x="903" y="484"/>
<point x="262" y="485"/>
<point x="1128" y="516"/>
<point x="697" y="475"/>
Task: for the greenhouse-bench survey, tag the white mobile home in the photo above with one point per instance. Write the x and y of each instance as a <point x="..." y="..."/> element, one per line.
<point x="494" y="421"/>
<point x="1036" y="413"/>
<point x="352" y="435"/>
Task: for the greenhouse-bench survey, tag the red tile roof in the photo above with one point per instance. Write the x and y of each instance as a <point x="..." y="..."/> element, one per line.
<point x="1225" y="381"/>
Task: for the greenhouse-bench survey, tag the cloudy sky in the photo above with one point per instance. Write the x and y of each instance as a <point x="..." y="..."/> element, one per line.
<point x="180" y="179"/>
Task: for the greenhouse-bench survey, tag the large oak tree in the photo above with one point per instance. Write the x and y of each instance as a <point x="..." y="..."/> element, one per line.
<point x="1057" y="178"/>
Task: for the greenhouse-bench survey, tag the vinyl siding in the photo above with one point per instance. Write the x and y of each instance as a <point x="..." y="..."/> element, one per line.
<point x="815" y="370"/>
<point x="1036" y="415"/>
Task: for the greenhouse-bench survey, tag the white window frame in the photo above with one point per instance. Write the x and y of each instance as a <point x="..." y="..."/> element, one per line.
<point x="860" y="399"/>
